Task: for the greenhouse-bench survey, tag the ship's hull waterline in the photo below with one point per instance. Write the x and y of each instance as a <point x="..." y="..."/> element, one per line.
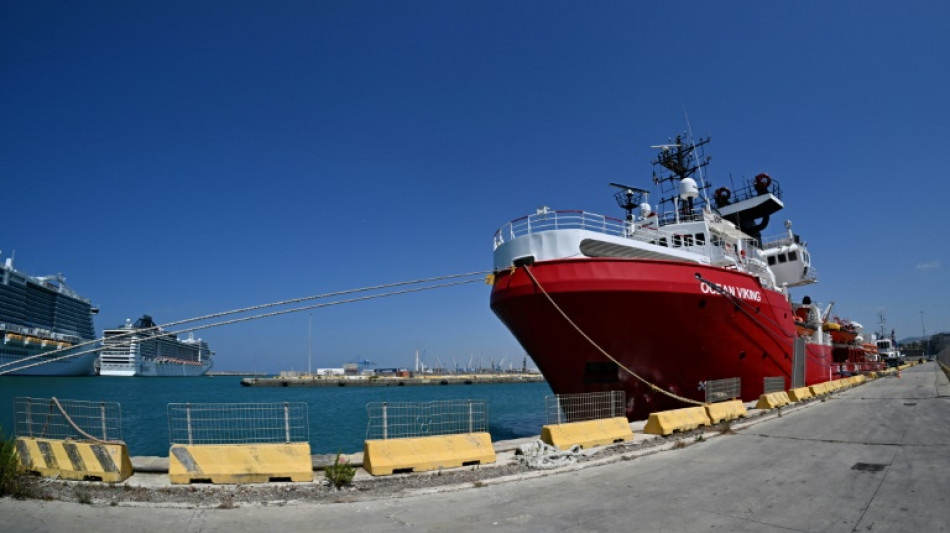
<point x="58" y="364"/>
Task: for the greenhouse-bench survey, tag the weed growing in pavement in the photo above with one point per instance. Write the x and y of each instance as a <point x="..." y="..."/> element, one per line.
<point x="10" y="469"/>
<point x="340" y="473"/>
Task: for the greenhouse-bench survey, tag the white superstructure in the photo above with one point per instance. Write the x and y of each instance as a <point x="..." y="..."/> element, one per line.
<point x="41" y="318"/>
<point x="144" y="349"/>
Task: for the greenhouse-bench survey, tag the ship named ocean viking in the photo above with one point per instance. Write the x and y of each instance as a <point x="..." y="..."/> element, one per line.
<point x="667" y="300"/>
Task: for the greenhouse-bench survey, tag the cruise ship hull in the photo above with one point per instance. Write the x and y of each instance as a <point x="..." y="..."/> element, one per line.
<point x="54" y="365"/>
<point x="153" y="368"/>
<point x="655" y="318"/>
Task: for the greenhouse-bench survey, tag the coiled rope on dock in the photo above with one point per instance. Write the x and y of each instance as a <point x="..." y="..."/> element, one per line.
<point x="651" y="386"/>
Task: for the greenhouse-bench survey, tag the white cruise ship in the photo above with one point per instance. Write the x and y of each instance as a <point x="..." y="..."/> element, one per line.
<point x="40" y="320"/>
<point x="144" y="349"/>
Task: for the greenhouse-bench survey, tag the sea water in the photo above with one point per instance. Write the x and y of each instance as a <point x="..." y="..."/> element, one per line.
<point x="337" y="415"/>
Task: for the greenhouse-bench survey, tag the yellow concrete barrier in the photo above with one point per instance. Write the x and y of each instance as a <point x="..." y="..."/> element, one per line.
<point x="800" y="394"/>
<point x="820" y="389"/>
<point x="68" y="459"/>
<point x="239" y="463"/>
<point x="418" y="454"/>
<point x="773" y="400"/>
<point x="731" y="410"/>
<point x="587" y="433"/>
<point x="666" y="422"/>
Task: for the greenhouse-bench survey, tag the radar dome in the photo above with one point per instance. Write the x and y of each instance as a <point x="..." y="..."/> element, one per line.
<point x="644" y="209"/>
<point x="688" y="188"/>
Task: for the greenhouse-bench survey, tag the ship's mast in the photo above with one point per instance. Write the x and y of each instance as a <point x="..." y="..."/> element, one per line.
<point x="681" y="160"/>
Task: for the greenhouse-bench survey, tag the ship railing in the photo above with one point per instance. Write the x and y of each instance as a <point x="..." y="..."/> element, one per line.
<point x="566" y="408"/>
<point x="393" y="420"/>
<point x="773" y="384"/>
<point x="748" y="190"/>
<point x="720" y="390"/>
<point x="238" y="423"/>
<point x="547" y="220"/>
<point x="671" y="217"/>
<point x="40" y="333"/>
<point x="51" y="418"/>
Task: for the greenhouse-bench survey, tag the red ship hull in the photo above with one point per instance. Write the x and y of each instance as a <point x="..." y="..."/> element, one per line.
<point x="657" y="319"/>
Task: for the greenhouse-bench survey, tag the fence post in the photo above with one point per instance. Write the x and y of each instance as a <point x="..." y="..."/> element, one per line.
<point x="560" y="409"/>
<point x="102" y="411"/>
<point x="287" y="422"/>
<point x="384" y="422"/>
<point x="29" y="417"/>
<point x="470" y="421"/>
<point x="188" y="421"/>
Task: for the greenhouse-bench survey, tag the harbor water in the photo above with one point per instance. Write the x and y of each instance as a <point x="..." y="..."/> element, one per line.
<point x="337" y="415"/>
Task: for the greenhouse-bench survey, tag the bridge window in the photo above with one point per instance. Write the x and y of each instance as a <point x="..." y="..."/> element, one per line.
<point x="782" y="258"/>
<point x="771" y="260"/>
<point x="700" y="239"/>
<point x="792" y="256"/>
<point x="677" y="241"/>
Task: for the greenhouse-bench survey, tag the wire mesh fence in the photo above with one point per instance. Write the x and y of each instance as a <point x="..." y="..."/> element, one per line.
<point x="394" y="420"/>
<point x="564" y="408"/>
<point x="51" y="418"/>
<point x="720" y="390"/>
<point x="238" y="423"/>
<point x="774" y="384"/>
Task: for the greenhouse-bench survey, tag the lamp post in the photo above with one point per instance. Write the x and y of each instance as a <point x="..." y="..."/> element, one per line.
<point x="310" y="345"/>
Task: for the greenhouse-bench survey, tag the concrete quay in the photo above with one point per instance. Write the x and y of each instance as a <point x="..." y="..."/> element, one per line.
<point x="871" y="458"/>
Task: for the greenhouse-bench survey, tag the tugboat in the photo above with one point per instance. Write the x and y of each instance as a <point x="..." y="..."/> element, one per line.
<point x="663" y="301"/>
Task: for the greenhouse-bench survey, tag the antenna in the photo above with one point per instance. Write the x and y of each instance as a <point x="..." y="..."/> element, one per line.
<point x="629" y="198"/>
<point x="702" y="178"/>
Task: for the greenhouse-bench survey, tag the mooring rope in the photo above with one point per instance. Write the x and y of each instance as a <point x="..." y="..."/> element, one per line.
<point x="48" y="360"/>
<point x="740" y="306"/>
<point x="652" y="386"/>
<point x="76" y="426"/>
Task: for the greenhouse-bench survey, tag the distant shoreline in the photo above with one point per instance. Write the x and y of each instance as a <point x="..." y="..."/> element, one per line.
<point x="387" y="381"/>
<point x="234" y="373"/>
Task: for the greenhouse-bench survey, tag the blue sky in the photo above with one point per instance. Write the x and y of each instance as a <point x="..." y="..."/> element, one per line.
<point x="183" y="158"/>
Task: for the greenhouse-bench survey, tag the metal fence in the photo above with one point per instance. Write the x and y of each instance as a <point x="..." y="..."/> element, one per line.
<point x="720" y="390"/>
<point x="776" y="384"/>
<point x="393" y="420"/>
<point x="51" y="418"/>
<point x="563" y="408"/>
<point x="238" y="423"/>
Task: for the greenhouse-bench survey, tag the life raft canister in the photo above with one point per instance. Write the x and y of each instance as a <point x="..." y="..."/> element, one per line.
<point x="722" y="196"/>
<point x="762" y="182"/>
